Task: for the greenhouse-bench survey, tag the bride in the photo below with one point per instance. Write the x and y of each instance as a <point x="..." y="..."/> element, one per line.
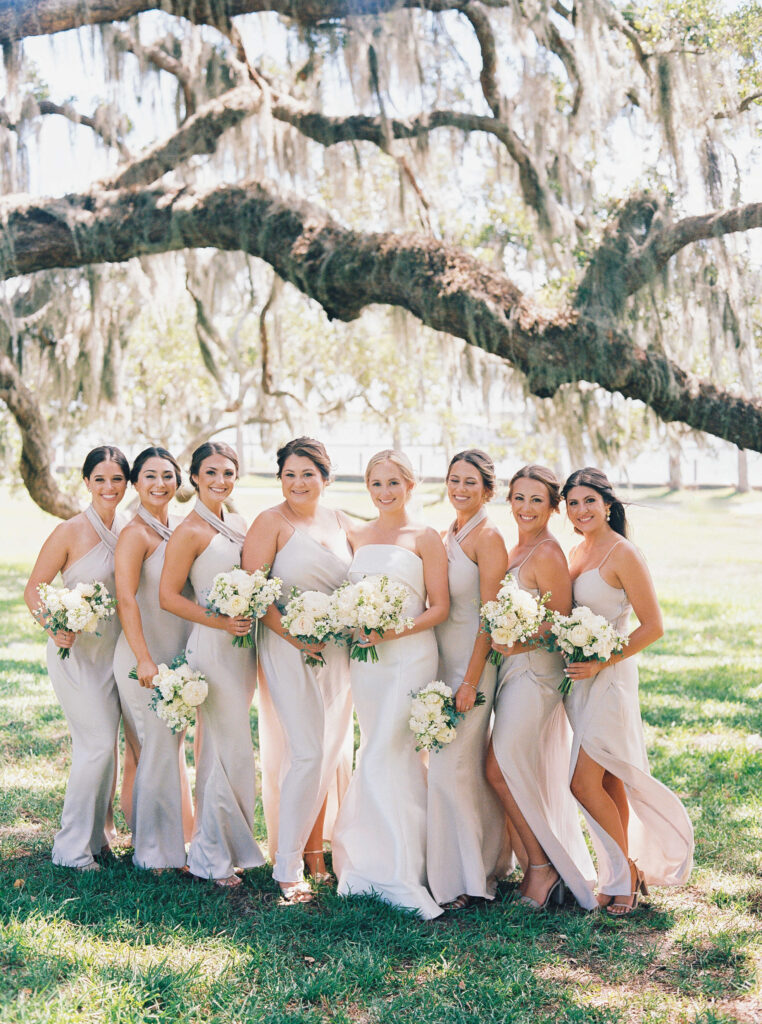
<point x="379" y="839"/>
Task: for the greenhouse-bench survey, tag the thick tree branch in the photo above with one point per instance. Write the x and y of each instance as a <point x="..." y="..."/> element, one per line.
<point x="486" y="39"/>
<point x="21" y="18"/>
<point x="642" y="239"/>
<point x="346" y="271"/>
<point x="35" y="466"/>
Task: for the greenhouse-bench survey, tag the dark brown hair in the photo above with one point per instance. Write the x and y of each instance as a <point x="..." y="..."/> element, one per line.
<point x="542" y="475"/>
<point x="204" y="451"/>
<point x="105" y="453"/>
<point x="308" y="448"/>
<point x="154" y="453"/>
<point x="483" y="465"/>
<point x="597" y="481"/>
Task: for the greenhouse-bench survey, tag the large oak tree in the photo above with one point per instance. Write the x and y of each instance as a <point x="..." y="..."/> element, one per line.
<point x="501" y="126"/>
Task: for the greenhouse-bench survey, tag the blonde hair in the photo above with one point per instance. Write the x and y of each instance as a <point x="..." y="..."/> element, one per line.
<point x="402" y="462"/>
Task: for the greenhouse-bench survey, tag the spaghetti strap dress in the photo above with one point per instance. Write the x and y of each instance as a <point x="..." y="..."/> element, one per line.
<point x="605" y="715"/>
<point x="467" y="847"/>
<point x="225" y="777"/>
<point x="305" y="713"/>
<point x="531" y="740"/>
<point x="85" y="687"/>
<point x="162" y="814"/>
<point x="379" y="842"/>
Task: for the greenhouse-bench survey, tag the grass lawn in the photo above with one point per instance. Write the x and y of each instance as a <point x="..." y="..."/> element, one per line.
<point x="122" y="946"/>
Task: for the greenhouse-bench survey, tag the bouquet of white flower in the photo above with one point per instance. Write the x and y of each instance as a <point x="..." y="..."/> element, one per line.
<point x="308" y="618"/>
<point x="178" y="691"/>
<point x="376" y="603"/>
<point x="583" y="636"/>
<point x="78" y="609"/>
<point x="513" y="617"/>
<point x="238" y="592"/>
<point x="433" y="717"/>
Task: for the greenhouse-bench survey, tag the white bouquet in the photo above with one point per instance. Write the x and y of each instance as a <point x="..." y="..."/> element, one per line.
<point x="513" y="617"/>
<point x="433" y="716"/>
<point x="178" y="691"/>
<point x="583" y="636"/>
<point x="376" y="603"/>
<point x="238" y="592"/>
<point x="308" y="618"/>
<point x="77" y="609"/>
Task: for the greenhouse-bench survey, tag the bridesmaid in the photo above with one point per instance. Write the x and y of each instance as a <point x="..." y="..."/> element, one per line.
<point x="467" y="847"/>
<point x="162" y="818"/>
<point x="380" y="835"/>
<point x="82" y="550"/>
<point x="305" y="713"/>
<point x="207" y="542"/>
<point x="528" y="759"/>
<point x="632" y="817"/>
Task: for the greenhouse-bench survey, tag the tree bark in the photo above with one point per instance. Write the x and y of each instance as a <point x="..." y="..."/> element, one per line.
<point x="35" y="466"/>
<point x="346" y="271"/>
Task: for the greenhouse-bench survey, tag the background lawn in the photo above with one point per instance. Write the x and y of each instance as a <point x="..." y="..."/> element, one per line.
<point x="124" y="946"/>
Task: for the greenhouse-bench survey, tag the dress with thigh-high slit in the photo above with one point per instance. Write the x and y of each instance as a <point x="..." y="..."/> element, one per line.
<point x="531" y="740"/>
<point x="468" y="846"/>
<point x="604" y="712"/>
<point x="162" y="816"/>
<point x="379" y="842"/>
<point x="305" y="712"/>
<point x="84" y="684"/>
<point x="225" y="781"/>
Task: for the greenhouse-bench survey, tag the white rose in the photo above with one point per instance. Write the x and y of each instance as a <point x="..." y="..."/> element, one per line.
<point x="579" y="636"/>
<point x="194" y="692"/>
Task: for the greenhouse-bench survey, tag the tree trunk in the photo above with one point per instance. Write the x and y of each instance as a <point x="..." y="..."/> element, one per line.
<point x="743" y="472"/>
<point x="675" y="471"/>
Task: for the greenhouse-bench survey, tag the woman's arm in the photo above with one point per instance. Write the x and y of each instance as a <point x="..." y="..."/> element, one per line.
<point x="183" y="548"/>
<point x="492" y="561"/>
<point x="52" y="558"/>
<point x="632" y="575"/>
<point x="259" y="550"/>
<point x="131" y="551"/>
<point x="551" y="575"/>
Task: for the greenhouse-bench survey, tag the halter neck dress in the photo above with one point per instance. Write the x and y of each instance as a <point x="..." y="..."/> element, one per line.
<point x="531" y="740"/>
<point x="379" y="842"/>
<point x="305" y="713"/>
<point x="85" y="687"/>
<point x="604" y="712"/>
<point x="225" y="773"/>
<point x="161" y="817"/>
<point x="467" y="846"/>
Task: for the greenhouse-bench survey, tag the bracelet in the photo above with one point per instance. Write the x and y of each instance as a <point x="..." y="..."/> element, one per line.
<point x="471" y="685"/>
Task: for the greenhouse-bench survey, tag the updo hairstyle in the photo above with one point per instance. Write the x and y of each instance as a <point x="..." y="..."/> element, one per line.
<point x="204" y="451"/>
<point x="310" y="449"/>
<point x="105" y="453"/>
<point x="597" y="481"/>
<point x="402" y="462"/>
<point x="542" y="475"/>
<point x="483" y="465"/>
<point x="154" y="452"/>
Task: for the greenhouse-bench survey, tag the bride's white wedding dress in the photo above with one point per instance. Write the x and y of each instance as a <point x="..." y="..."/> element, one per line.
<point x="379" y="842"/>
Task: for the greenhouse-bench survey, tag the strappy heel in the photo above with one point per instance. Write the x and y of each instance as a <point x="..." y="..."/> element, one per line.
<point x="321" y="877"/>
<point x="615" y="909"/>
<point x="555" y="894"/>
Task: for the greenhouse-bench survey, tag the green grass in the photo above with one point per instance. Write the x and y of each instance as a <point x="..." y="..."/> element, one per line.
<point x="122" y="946"/>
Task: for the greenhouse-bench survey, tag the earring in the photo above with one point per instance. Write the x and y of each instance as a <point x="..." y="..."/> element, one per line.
<point x="608" y="512"/>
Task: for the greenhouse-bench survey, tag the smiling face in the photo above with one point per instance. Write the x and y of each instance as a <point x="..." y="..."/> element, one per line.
<point x="156" y="483"/>
<point x="530" y="504"/>
<point x="216" y="479"/>
<point x="586" y="509"/>
<point x="388" y="488"/>
<point x="301" y="481"/>
<point x="465" y="488"/>
<point x="107" y="485"/>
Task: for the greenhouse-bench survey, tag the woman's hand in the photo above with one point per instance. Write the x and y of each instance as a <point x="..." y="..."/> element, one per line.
<point x="63" y="638"/>
<point x="465" y="698"/>
<point x="577" y="670"/>
<point x="311" y="650"/>
<point x="373" y="638"/>
<point x="236" y="625"/>
<point x="146" y="670"/>
<point x="503" y="649"/>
